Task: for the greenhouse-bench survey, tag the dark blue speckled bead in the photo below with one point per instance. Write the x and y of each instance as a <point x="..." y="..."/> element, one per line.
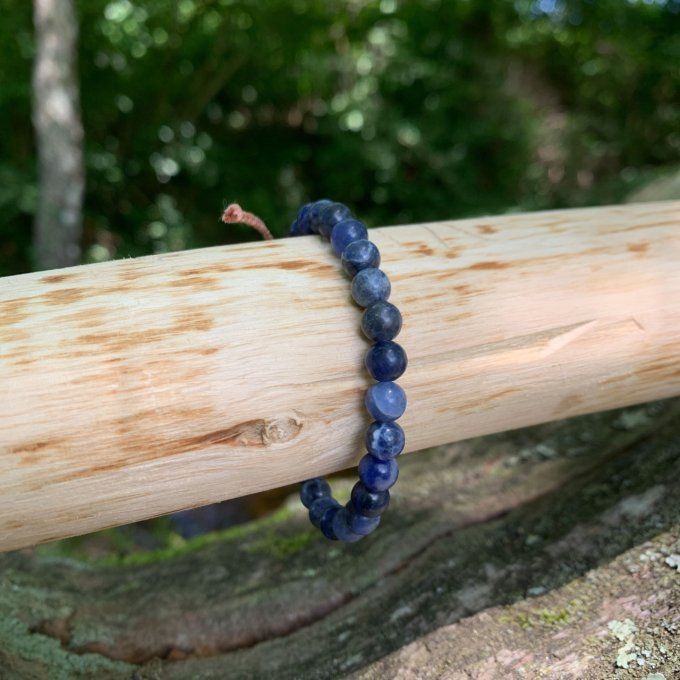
<point x="318" y="507"/>
<point x="377" y="475"/>
<point x="369" y="286"/>
<point x="385" y="401"/>
<point x="369" y="503"/>
<point x="330" y="216"/>
<point x="346" y="232"/>
<point x="302" y="223"/>
<point x="315" y="214"/>
<point x="360" y="524"/>
<point x="381" y="321"/>
<point x="342" y="529"/>
<point x="359" y="255"/>
<point x="385" y="440"/>
<point x="386" y="360"/>
<point x="313" y="489"/>
<point x="326" y="523"/>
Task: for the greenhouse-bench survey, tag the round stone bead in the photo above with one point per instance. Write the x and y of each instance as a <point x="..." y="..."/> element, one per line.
<point x="385" y="401"/>
<point x="318" y="507"/>
<point x="360" y="255"/>
<point x="386" y="360"/>
<point x="342" y="529"/>
<point x="385" y="440"/>
<point x="378" y="475"/>
<point x="302" y="225"/>
<point x="326" y="522"/>
<point x="360" y="524"/>
<point x="370" y="286"/>
<point x="330" y="216"/>
<point x="381" y="321"/>
<point x="313" y="489"/>
<point x="315" y="214"/>
<point x="346" y="232"/>
<point x="369" y="503"/>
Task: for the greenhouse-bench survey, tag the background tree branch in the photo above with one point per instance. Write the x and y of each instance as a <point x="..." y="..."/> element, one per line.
<point x="59" y="136"/>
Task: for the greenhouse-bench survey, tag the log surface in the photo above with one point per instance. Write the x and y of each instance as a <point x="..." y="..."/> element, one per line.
<point x="138" y="387"/>
<point x="551" y="552"/>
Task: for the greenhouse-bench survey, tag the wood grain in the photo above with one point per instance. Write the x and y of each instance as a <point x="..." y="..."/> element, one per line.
<point x="139" y="387"/>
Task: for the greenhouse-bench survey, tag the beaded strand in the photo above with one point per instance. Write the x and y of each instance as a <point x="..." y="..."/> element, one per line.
<point x="385" y="361"/>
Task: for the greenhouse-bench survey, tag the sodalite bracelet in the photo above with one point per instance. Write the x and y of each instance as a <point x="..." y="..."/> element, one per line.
<point x="386" y="361"/>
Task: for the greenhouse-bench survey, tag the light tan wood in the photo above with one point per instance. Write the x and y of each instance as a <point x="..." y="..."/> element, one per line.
<point x="139" y="387"/>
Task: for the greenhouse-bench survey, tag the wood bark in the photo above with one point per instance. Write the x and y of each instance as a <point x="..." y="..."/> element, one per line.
<point x="551" y="552"/>
<point x="141" y="387"/>
<point x="59" y="135"/>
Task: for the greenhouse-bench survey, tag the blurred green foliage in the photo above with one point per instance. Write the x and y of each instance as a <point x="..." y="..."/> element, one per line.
<point x="405" y="110"/>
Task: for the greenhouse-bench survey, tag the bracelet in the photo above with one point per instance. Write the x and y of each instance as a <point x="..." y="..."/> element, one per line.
<point x="385" y="361"/>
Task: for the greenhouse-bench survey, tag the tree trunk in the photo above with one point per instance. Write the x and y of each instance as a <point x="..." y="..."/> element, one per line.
<point x="59" y="136"/>
<point x="550" y="552"/>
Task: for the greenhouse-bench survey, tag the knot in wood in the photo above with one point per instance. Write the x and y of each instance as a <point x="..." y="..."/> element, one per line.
<point x="280" y="430"/>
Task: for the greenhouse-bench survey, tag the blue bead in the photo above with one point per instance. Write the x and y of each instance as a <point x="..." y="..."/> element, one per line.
<point x="326" y="523"/>
<point x="385" y="440"/>
<point x="346" y="232"/>
<point x="302" y="223"/>
<point x="370" y="286"/>
<point x="386" y="360"/>
<point x="342" y="529"/>
<point x="313" y="489"/>
<point x="318" y="507"/>
<point x="381" y="321"/>
<point x="330" y="216"/>
<point x="378" y="475"/>
<point x="360" y="524"/>
<point x="303" y="212"/>
<point x="385" y="401"/>
<point x="369" y="503"/>
<point x="359" y="255"/>
<point x="315" y="214"/>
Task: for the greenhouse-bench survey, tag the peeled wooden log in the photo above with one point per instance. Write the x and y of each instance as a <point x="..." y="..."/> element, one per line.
<point x="138" y="387"/>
